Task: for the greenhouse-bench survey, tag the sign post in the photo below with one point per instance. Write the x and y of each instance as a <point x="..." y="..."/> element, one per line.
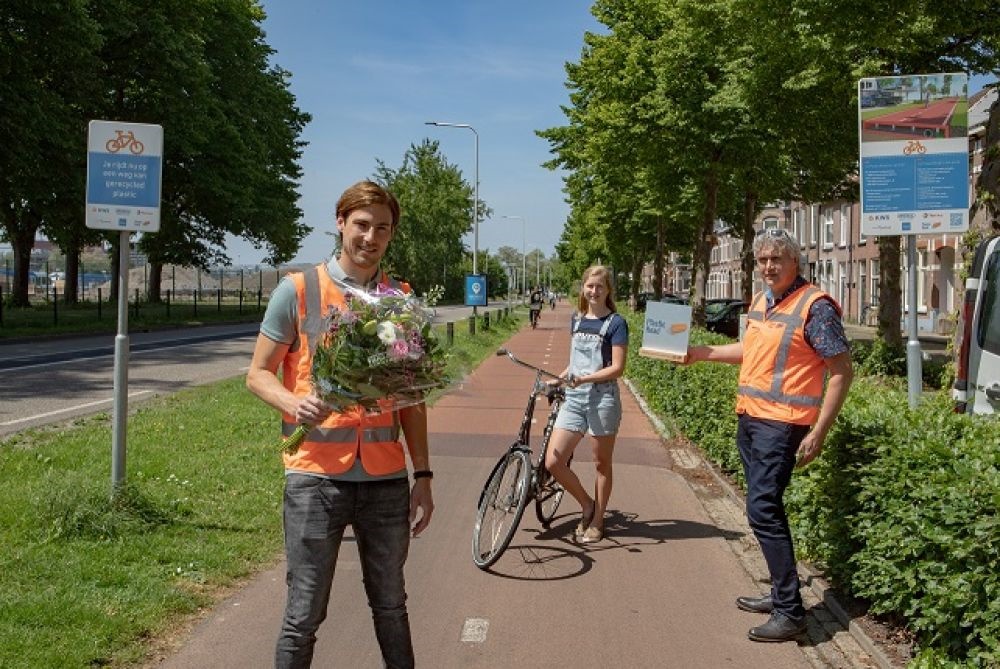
<point x="124" y="167"/>
<point x="914" y="171"/>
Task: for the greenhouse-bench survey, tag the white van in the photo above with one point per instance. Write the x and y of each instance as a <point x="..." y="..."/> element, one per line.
<point x="977" y="377"/>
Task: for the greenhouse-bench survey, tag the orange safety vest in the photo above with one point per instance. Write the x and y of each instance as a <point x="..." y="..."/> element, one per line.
<point x="781" y="377"/>
<point x="332" y="446"/>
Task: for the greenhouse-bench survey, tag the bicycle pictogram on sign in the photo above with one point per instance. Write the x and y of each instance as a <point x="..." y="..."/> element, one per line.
<point x="123" y="139"/>
<point x="914" y="146"/>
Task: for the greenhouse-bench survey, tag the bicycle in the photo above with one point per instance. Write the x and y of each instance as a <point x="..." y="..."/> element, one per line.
<point x="534" y="315"/>
<point x="124" y="139"/>
<point x="515" y="480"/>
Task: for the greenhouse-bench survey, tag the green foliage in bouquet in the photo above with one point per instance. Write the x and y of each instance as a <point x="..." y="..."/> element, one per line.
<point x="378" y="353"/>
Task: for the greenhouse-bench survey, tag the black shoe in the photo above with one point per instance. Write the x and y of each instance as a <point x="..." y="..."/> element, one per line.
<point x="755" y="604"/>
<point x="779" y="627"/>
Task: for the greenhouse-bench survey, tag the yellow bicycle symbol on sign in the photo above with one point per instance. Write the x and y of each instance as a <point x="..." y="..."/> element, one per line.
<point x="914" y="146"/>
<point x="122" y="139"/>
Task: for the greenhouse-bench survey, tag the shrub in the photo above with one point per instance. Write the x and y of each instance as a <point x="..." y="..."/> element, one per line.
<point x="901" y="509"/>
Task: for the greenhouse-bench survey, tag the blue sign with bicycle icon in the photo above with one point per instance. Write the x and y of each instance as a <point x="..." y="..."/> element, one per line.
<point x="124" y="166"/>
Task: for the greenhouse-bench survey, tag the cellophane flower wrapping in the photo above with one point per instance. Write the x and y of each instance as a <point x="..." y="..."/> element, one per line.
<point x="378" y="352"/>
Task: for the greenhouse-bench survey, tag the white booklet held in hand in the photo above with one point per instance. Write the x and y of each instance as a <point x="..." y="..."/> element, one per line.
<point x="666" y="331"/>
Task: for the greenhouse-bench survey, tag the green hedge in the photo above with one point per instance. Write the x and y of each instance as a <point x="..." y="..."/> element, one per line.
<point x="901" y="509"/>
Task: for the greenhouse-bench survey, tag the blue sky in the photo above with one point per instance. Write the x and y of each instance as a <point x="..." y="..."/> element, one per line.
<point x="372" y="73"/>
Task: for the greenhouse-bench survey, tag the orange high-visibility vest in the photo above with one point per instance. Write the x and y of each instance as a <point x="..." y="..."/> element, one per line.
<point x="332" y="446"/>
<point x="781" y="377"/>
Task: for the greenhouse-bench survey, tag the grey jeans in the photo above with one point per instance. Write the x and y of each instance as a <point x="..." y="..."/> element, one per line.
<point x="316" y="513"/>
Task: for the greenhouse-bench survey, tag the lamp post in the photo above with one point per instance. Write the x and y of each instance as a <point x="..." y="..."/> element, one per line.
<point x="524" y="275"/>
<point x="475" y="207"/>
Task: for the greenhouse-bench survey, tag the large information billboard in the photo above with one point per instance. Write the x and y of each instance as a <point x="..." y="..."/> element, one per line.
<point x="914" y="154"/>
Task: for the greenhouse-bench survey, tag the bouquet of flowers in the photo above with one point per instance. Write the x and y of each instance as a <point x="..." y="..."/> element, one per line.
<point x="378" y="352"/>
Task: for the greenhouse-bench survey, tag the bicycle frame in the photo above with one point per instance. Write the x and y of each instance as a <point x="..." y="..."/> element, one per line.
<point x="502" y="501"/>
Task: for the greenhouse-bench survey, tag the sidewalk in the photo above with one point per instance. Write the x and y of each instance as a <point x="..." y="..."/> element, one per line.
<point x="658" y="591"/>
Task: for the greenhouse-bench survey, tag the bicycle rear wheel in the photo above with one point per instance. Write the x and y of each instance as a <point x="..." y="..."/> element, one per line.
<point x="501" y="507"/>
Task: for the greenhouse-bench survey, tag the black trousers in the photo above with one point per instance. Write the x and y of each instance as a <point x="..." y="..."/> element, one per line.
<point x="767" y="449"/>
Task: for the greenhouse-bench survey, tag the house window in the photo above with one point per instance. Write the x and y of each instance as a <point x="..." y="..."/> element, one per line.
<point x="770" y="222"/>
<point x="862" y="284"/>
<point x="845" y="223"/>
<point x="827" y="227"/>
<point x="814" y="228"/>
<point x="875" y="270"/>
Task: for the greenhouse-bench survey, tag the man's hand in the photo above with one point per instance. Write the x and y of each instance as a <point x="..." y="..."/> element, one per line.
<point x="311" y="410"/>
<point x="809" y="449"/>
<point x="421" y="498"/>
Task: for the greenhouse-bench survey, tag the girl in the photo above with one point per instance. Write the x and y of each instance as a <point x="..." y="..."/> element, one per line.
<point x="593" y="401"/>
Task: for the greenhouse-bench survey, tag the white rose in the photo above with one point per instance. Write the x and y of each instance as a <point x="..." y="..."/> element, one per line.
<point x="386" y="332"/>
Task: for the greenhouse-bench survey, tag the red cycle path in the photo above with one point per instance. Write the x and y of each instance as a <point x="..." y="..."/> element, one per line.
<point x="658" y="591"/>
<point x="917" y="120"/>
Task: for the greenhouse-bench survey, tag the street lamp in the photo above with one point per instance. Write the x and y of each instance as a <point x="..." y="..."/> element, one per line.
<point x="524" y="275"/>
<point x="475" y="208"/>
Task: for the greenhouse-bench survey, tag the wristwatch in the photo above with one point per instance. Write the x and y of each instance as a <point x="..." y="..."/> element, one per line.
<point x="422" y="474"/>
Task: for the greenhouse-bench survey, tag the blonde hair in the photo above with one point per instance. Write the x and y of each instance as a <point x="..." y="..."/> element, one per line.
<point x="598" y="271"/>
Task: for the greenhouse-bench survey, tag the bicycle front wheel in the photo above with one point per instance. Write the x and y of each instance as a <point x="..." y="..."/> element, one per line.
<point x="501" y="507"/>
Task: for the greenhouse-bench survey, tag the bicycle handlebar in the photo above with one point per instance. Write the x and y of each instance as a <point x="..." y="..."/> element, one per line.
<point x="503" y="351"/>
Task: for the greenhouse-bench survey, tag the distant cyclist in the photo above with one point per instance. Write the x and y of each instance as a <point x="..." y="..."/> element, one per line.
<point x="535" y="302"/>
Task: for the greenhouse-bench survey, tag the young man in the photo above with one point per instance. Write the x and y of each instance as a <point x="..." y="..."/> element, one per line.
<point x="794" y="340"/>
<point x="351" y="470"/>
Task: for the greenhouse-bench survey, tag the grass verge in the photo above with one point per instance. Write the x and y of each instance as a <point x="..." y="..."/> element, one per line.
<point x="85" y="582"/>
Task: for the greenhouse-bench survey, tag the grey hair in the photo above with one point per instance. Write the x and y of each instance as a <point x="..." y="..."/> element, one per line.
<point x="782" y="240"/>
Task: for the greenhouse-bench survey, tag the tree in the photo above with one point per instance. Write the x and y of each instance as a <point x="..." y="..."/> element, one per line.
<point x="47" y="57"/>
<point x="231" y="127"/>
<point x="437" y="205"/>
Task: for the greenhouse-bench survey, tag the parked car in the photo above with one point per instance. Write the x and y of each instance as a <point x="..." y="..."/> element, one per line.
<point x="670" y="298"/>
<point x="977" y="377"/>
<point x="723" y="316"/>
<point x="640" y="301"/>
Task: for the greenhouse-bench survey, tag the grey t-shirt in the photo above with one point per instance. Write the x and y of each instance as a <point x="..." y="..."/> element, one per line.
<point x="280" y="324"/>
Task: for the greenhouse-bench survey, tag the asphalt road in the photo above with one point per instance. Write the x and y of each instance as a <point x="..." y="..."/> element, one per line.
<point x="44" y="381"/>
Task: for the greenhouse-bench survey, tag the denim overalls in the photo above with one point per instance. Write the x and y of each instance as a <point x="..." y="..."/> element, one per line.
<point x="590" y="407"/>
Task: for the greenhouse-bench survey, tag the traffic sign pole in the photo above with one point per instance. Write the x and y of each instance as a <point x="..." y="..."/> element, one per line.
<point x="119" y="431"/>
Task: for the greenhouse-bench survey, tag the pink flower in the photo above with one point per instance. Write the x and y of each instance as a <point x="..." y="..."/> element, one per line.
<point x="399" y="350"/>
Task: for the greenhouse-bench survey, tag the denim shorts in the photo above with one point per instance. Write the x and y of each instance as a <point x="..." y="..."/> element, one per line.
<point x="596" y="410"/>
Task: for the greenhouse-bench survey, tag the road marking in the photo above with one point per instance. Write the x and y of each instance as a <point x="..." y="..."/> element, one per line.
<point x="474" y="630"/>
<point x="67" y="409"/>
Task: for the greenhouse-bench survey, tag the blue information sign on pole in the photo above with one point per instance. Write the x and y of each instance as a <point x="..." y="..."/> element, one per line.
<point x="475" y="290"/>
<point x="124" y="167"/>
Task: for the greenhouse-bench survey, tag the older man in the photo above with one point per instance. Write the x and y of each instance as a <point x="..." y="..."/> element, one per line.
<point x="794" y="340"/>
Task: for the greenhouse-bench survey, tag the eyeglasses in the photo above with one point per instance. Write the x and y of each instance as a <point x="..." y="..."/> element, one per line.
<point x="774" y="232"/>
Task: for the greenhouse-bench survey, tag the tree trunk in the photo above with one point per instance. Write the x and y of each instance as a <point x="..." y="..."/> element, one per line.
<point x="658" y="261"/>
<point x="703" y="248"/>
<point x="154" y="294"/>
<point x="747" y="262"/>
<point x="21" y="235"/>
<point x="637" y="263"/>
<point x="71" y="284"/>
<point x="890" y="295"/>
<point x="115" y="269"/>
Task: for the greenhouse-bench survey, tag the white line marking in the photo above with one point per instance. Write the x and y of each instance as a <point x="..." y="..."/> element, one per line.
<point x="72" y="408"/>
<point x="474" y="630"/>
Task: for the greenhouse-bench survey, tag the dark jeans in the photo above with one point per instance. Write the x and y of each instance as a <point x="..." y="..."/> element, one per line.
<point x="767" y="449"/>
<point x="316" y="513"/>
